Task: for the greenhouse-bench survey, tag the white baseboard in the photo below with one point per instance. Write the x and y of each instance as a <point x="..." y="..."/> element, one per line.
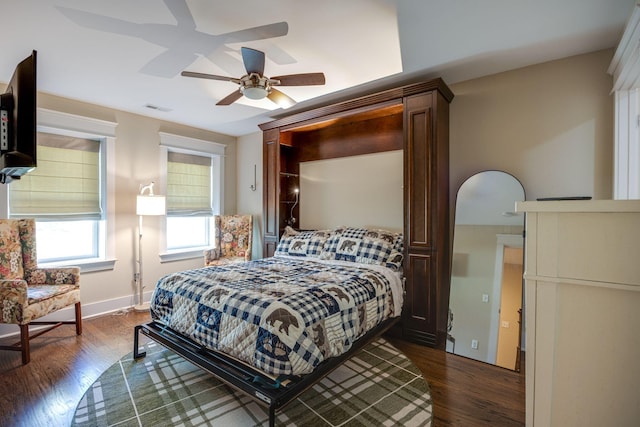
<point x="94" y="309"/>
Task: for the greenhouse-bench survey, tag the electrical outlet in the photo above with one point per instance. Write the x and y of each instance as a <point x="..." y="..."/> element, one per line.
<point x="485" y="297"/>
<point x="474" y="344"/>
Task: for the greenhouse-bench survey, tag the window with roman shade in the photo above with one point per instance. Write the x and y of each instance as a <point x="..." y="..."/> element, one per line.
<point x="188" y="184"/>
<point x="65" y="183"/>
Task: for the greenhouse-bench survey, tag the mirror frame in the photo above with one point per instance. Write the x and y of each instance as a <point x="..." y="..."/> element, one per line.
<point x="503" y="241"/>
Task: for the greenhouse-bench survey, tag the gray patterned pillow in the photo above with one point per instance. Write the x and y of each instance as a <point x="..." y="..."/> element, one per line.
<point x="367" y="246"/>
<point x="302" y="243"/>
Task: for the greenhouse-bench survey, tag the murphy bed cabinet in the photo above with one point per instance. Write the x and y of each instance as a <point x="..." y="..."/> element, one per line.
<point x="413" y="118"/>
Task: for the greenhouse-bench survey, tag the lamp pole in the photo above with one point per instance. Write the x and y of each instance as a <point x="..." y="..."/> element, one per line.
<point x="145" y="205"/>
<point x="141" y="306"/>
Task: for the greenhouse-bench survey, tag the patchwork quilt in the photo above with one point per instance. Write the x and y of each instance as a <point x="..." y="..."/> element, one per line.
<point x="282" y="315"/>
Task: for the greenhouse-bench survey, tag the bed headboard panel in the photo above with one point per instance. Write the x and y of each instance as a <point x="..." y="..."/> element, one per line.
<point x="360" y="191"/>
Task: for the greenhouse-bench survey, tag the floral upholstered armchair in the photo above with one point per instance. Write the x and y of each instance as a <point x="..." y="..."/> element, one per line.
<point x="28" y="292"/>
<point x="233" y="240"/>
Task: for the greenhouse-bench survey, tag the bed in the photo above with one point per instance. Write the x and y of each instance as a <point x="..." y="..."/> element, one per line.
<point x="273" y="327"/>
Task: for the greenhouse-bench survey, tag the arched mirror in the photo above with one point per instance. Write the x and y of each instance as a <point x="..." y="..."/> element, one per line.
<point x="485" y="304"/>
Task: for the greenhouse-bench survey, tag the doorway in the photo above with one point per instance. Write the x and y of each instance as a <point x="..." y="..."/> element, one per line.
<point x="508" y="346"/>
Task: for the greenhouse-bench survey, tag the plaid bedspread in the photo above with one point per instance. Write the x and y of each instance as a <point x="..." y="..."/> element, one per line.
<point x="281" y="315"/>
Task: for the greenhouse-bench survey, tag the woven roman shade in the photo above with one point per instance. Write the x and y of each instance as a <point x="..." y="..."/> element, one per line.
<point x="188" y="185"/>
<point x="65" y="183"/>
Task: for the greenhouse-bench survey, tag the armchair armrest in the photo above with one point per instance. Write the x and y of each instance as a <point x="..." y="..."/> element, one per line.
<point x="54" y="276"/>
<point x="13" y="297"/>
<point x="211" y="255"/>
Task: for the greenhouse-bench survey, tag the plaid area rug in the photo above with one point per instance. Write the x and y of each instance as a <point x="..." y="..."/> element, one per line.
<point x="377" y="386"/>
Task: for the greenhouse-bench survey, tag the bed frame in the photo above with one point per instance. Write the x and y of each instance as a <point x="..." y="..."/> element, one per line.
<point x="270" y="393"/>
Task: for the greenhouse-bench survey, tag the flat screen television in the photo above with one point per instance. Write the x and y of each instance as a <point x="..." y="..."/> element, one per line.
<point x="18" y="122"/>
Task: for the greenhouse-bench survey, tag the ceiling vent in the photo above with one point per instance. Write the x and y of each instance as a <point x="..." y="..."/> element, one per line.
<point x="157" y="108"/>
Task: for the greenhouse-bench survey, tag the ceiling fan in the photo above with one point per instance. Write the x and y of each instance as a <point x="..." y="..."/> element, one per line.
<point x="255" y="85"/>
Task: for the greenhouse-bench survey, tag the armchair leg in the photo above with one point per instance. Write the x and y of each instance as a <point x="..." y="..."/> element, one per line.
<point x="24" y="344"/>
<point x="24" y="347"/>
<point x="78" y="319"/>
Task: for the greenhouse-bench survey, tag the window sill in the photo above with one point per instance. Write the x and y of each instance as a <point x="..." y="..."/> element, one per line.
<point x="182" y="255"/>
<point x="86" y="266"/>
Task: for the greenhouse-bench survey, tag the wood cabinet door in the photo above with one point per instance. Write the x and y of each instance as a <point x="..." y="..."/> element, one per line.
<point x="270" y="175"/>
<point x="419" y="314"/>
<point x="419" y="173"/>
<point x="269" y="248"/>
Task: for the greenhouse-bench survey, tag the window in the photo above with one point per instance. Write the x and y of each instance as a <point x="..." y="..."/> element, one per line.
<point x="189" y="206"/>
<point x="193" y="187"/>
<point x="68" y="192"/>
<point x="625" y="69"/>
<point x="63" y="193"/>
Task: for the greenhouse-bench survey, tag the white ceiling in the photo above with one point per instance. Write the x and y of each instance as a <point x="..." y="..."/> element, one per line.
<point x="128" y="54"/>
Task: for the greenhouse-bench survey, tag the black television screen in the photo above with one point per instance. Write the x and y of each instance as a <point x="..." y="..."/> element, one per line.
<point x="18" y="122"/>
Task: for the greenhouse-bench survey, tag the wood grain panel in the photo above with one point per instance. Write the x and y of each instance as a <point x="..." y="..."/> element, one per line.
<point x="419" y="146"/>
<point x="419" y="311"/>
<point x="269" y="248"/>
<point x="381" y="97"/>
<point x="350" y="139"/>
<point x="271" y="175"/>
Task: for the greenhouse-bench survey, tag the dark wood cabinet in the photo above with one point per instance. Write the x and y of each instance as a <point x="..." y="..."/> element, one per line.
<point x="271" y="188"/>
<point x="414" y="118"/>
<point x="426" y="225"/>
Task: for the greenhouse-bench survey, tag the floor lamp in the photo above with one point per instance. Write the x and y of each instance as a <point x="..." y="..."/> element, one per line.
<point x="146" y="204"/>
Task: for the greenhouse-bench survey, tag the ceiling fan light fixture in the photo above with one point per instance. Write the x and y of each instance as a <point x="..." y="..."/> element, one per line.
<point x="254" y="86"/>
<point x="255" y="92"/>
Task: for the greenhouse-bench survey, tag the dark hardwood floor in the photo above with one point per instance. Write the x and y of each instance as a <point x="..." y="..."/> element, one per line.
<point x="63" y="366"/>
<point x="466" y="392"/>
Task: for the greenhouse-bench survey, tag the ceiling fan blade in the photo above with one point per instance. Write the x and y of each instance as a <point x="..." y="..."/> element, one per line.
<point x="307" y="79"/>
<point x="284" y="101"/>
<point x="253" y="60"/>
<point x="209" y="76"/>
<point x="231" y="98"/>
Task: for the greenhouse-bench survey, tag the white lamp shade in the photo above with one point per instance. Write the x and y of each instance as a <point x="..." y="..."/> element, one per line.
<point x="151" y="205"/>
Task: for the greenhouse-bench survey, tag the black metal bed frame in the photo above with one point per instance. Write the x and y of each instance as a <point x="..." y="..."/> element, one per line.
<point x="268" y="392"/>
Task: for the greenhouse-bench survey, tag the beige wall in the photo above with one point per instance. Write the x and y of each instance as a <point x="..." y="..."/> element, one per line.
<point x="137" y="159"/>
<point x="249" y="201"/>
<point x="550" y="125"/>
<point x="372" y="198"/>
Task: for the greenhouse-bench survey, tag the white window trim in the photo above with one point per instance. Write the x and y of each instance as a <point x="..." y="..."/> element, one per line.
<point x="84" y="127"/>
<point x="198" y="147"/>
<point x="625" y="69"/>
